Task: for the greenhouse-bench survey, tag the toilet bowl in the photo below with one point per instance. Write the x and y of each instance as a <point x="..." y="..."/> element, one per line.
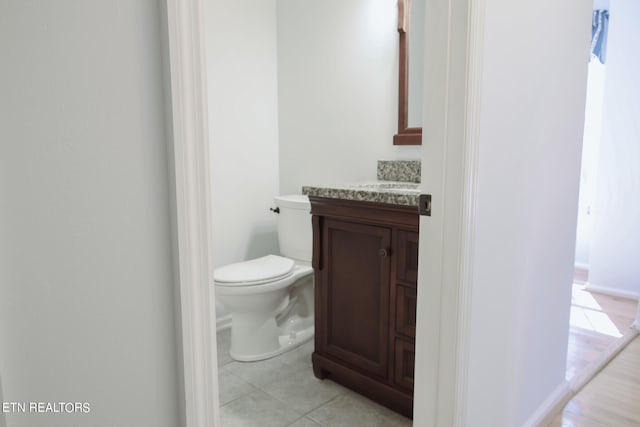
<point x="271" y="297"/>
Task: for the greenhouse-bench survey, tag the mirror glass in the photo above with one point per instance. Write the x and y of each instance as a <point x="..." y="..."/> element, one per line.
<point x="410" y="71"/>
<point x="416" y="62"/>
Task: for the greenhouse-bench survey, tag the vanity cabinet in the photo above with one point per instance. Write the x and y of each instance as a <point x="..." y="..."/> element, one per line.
<point x="365" y="257"/>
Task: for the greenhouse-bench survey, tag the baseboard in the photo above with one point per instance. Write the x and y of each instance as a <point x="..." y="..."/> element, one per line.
<point x="551" y="406"/>
<point x="223" y="322"/>
<point x="591" y="287"/>
<point x="581" y="266"/>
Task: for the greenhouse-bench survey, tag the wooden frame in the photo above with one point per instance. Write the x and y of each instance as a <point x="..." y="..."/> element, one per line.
<point x="405" y="135"/>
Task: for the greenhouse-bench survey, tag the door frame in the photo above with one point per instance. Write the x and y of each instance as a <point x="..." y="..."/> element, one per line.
<point x="451" y="133"/>
<point x="195" y="303"/>
<point x="450" y="160"/>
<point x="451" y="127"/>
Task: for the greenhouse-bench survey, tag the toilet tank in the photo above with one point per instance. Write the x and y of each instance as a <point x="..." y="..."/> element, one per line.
<point x="294" y="227"/>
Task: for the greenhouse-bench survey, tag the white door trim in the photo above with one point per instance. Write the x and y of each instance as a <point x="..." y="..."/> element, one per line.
<point x="470" y="156"/>
<point x="451" y="131"/>
<point x="193" y="211"/>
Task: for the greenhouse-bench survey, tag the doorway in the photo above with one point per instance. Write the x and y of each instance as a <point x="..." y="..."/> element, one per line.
<point x="604" y="302"/>
<point x="203" y="401"/>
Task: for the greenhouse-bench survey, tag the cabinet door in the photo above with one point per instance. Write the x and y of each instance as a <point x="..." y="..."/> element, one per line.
<point x="355" y="297"/>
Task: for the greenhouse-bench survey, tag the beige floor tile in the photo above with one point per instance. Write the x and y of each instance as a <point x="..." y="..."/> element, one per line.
<point x="263" y="372"/>
<point x="232" y="387"/>
<point x="303" y="391"/>
<point x="305" y="422"/>
<point x="351" y="409"/>
<point x="299" y="357"/>
<point x="257" y="409"/>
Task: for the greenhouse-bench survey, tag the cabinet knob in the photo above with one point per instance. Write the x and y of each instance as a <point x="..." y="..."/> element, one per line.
<point x="383" y="252"/>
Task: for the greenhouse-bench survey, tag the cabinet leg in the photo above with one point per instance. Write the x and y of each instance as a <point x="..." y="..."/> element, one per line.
<point x="319" y="372"/>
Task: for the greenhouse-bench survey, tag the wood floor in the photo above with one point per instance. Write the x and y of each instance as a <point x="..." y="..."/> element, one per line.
<point x="597" y="321"/>
<point x="612" y="398"/>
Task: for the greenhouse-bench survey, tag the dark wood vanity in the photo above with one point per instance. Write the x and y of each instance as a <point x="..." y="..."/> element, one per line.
<point x="365" y="256"/>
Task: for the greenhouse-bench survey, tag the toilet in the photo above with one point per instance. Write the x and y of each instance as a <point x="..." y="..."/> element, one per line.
<point x="271" y="297"/>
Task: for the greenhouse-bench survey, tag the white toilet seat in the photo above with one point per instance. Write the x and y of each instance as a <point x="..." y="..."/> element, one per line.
<point x="257" y="271"/>
<point x="277" y="272"/>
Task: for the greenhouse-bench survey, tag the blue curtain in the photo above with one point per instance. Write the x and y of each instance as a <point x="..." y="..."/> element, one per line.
<point x="599" y="26"/>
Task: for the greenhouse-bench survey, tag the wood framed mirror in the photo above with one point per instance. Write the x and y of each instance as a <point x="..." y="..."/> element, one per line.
<point x="410" y="22"/>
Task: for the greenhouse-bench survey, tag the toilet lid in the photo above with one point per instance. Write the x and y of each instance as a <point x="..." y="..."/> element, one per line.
<point x="259" y="270"/>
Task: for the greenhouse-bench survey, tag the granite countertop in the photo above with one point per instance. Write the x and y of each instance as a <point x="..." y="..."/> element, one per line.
<point x="398" y="184"/>
<point x="392" y="192"/>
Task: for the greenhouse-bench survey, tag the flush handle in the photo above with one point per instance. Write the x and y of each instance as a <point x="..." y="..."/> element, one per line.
<point x="276" y="210"/>
<point x="383" y="252"/>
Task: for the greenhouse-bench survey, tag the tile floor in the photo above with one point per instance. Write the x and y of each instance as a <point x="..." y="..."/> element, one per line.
<point x="283" y="391"/>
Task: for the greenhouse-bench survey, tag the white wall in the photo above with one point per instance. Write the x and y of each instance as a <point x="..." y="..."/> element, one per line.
<point x="243" y="120"/>
<point x="531" y="123"/>
<point x="589" y="168"/>
<point x="86" y="280"/>
<point x="616" y="236"/>
<point x="337" y="90"/>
